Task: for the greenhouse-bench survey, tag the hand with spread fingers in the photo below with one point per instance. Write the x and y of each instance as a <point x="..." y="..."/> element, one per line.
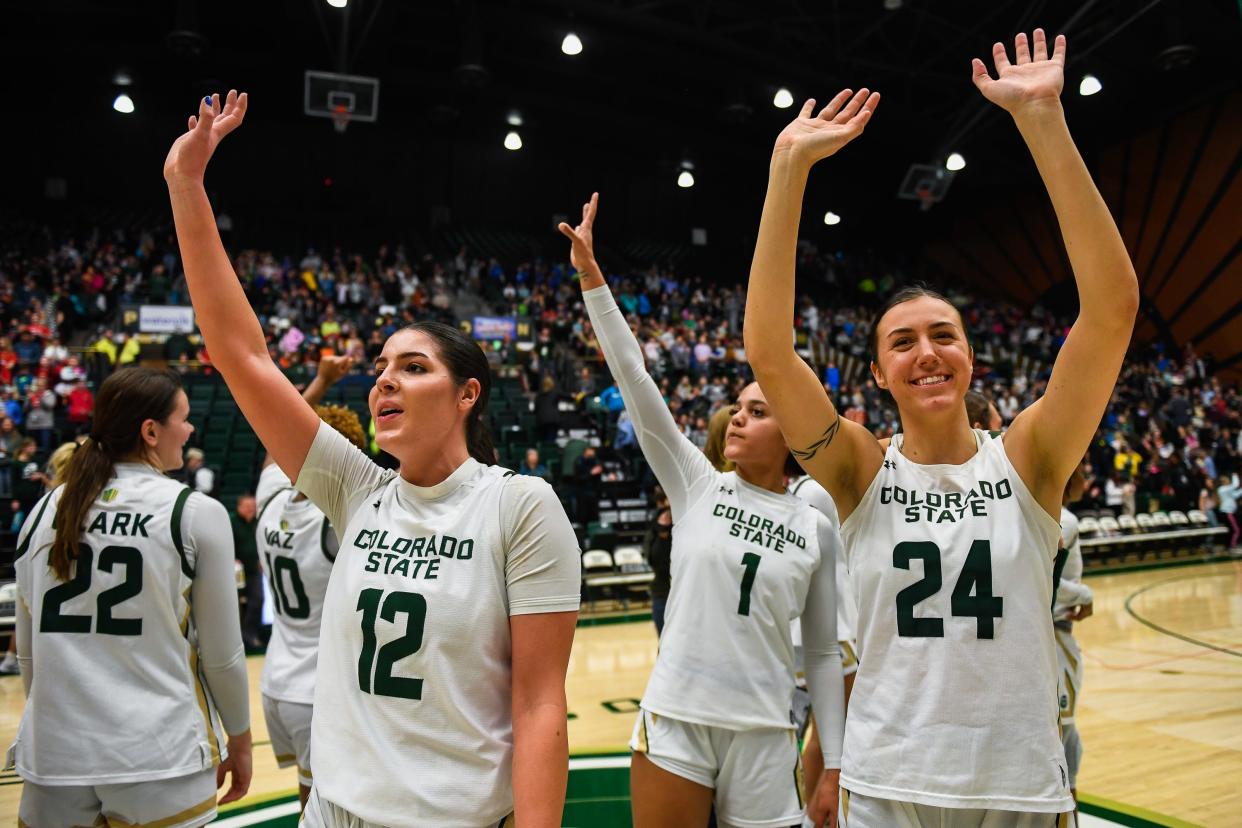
<point x="190" y="153"/>
<point x="810" y="138"/>
<point x="1036" y="78"/>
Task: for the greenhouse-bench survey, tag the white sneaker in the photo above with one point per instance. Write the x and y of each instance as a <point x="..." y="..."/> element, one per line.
<point x="9" y="667"/>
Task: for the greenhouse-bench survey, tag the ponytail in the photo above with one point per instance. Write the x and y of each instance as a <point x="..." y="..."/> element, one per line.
<point x="86" y="474"/>
<point x="127" y="399"/>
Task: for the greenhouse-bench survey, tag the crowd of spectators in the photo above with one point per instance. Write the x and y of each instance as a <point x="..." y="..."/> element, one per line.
<point x="1172" y="435"/>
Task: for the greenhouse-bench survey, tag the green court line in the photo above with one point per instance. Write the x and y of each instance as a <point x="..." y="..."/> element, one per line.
<point x="1130" y="815"/>
<point x="1172" y="633"/>
<point x="1120" y="569"/>
<point x="266" y="800"/>
<point x="605" y="620"/>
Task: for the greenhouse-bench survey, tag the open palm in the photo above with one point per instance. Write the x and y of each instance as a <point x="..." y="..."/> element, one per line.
<point x="1034" y="77"/>
<point x="811" y="138"/>
<point x="191" y="152"/>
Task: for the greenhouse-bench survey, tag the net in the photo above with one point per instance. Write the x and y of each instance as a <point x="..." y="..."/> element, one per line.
<point x="340" y="117"/>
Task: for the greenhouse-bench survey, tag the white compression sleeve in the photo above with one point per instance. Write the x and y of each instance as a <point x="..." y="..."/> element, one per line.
<point x="683" y="471"/>
<point x="214" y="603"/>
<point x="821" y="652"/>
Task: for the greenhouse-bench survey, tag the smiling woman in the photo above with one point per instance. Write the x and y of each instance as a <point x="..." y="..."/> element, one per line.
<point x="395" y="669"/>
<point x="929" y="647"/>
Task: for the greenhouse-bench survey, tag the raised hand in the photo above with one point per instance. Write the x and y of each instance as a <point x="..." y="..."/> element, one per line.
<point x="190" y="153"/>
<point x="1035" y="79"/>
<point x="582" y="254"/>
<point x="333" y="368"/>
<point x="811" y="138"/>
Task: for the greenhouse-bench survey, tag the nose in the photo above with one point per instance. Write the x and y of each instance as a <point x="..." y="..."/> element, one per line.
<point x="385" y="381"/>
<point x="925" y="350"/>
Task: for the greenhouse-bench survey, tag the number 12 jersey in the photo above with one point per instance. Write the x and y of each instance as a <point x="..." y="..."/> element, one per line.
<point x="413" y="719"/>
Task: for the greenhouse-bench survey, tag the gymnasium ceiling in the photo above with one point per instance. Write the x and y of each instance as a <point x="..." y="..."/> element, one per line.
<point x="663" y="81"/>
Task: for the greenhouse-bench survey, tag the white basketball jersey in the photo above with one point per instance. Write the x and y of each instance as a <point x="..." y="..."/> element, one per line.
<point x="296" y="549"/>
<point x="954" y="703"/>
<point x="728" y="661"/>
<point x="809" y="490"/>
<point x="413" y="711"/>
<point x="117" y="694"/>
<point x="1072" y="571"/>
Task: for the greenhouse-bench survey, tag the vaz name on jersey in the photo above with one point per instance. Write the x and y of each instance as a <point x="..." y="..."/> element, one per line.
<point x="412" y="557"/>
<point x="946" y="507"/>
<point x="757" y="529"/>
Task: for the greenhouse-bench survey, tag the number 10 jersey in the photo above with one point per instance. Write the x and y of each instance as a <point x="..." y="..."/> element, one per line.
<point x="954" y="703"/>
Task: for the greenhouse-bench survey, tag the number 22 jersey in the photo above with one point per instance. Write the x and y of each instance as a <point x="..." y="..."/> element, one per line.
<point x="954" y="703"/>
<point x="413" y="719"/>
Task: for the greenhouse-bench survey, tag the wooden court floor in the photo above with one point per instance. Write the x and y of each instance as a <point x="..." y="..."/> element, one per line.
<point x="1160" y="714"/>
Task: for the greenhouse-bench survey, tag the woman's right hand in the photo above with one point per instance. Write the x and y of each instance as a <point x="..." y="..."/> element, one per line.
<point x="187" y="160"/>
<point x="582" y="254"/>
<point x="810" y="138"/>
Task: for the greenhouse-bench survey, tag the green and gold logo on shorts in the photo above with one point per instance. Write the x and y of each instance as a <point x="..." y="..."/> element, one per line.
<point x="284" y="526"/>
<point x="108" y="495"/>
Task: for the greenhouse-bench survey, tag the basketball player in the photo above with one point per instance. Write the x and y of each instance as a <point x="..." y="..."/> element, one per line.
<point x="450" y="611"/>
<point x="950" y="535"/>
<point x="982" y="412"/>
<point x="127" y="629"/>
<point x="747" y="558"/>
<point x="1074" y="602"/>
<point x="297" y="545"/>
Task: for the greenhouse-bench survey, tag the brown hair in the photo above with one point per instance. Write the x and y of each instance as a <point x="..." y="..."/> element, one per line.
<point x="126" y="400"/>
<point x="465" y="361"/>
<point x="345" y="421"/>
<point x="977" y="409"/>
<point x="906" y="294"/>
<point x="714" y="449"/>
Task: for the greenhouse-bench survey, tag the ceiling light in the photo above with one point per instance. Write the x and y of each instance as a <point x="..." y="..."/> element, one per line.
<point x="685" y="179"/>
<point x="955" y="162"/>
<point x="831" y="218"/>
<point x="572" y="44"/>
<point x="338" y="4"/>
<point x="1090" y="85"/>
<point x="123" y="104"/>
<point x="122" y="78"/>
<point x="513" y="141"/>
<point x="514" y="118"/>
<point x="783" y="99"/>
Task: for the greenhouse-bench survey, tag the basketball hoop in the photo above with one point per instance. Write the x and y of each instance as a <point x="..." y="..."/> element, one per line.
<point x="340" y="118"/>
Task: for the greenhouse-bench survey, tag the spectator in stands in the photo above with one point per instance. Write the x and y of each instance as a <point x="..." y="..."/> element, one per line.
<point x="588" y="482"/>
<point x="29" y="480"/>
<point x="247" y="552"/>
<point x="196" y="475"/>
<point x="982" y="413"/>
<point x="547" y="408"/>
<point x="658" y="548"/>
<point x="1228" y="492"/>
<point x="533" y="467"/>
<point x="80" y="403"/>
<point x="41" y="414"/>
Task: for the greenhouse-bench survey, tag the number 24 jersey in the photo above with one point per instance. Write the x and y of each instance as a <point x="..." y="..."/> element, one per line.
<point x="954" y="704"/>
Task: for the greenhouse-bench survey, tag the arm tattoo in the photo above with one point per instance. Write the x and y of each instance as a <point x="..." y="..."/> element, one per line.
<point x="829" y="433"/>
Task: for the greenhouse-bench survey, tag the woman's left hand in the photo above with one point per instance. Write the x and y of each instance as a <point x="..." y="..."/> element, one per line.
<point x="582" y="255"/>
<point x="821" y="809"/>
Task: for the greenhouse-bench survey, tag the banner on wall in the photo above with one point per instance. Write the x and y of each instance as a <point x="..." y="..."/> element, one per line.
<point x="166" y="319"/>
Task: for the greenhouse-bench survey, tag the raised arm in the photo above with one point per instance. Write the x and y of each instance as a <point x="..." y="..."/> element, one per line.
<point x="273" y="407"/>
<point x="1049" y="438"/>
<point x="331" y="370"/>
<point x="842" y="455"/>
<point x="683" y="470"/>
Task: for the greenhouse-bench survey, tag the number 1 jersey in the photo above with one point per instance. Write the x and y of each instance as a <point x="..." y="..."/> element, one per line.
<point x="954" y="703"/>
<point x="413" y="720"/>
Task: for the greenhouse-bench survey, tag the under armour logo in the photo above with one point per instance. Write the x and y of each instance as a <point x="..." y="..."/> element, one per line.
<point x="890" y="464"/>
<point x="726" y="489"/>
<point x="376" y="504"/>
